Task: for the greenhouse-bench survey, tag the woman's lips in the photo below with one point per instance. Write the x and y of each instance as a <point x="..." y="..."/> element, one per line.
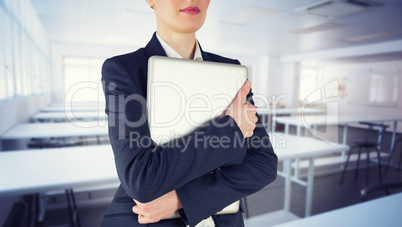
<point x="191" y="10"/>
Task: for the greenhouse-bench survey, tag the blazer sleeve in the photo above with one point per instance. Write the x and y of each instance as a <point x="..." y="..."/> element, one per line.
<point x="148" y="171"/>
<point x="211" y="192"/>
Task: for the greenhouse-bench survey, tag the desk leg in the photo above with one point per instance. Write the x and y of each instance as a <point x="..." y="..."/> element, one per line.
<point x="393" y="137"/>
<point x="296" y="175"/>
<point x="345" y="134"/>
<point x="42" y="207"/>
<point x="286" y="128"/>
<point x="344" y="138"/>
<point x="288" y="184"/>
<point x="309" y="188"/>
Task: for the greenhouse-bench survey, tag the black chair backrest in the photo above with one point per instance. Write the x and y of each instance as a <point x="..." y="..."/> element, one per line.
<point x="374" y="131"/>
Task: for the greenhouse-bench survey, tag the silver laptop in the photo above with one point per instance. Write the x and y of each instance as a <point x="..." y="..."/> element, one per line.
<point x="184" y="94"/>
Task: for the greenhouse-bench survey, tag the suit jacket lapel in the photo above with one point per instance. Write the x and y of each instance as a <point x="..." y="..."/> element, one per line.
<point x="205" y="55"/>
<point x="154" y="48"/>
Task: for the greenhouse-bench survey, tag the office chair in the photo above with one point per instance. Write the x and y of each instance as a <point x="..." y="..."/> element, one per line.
<point x="399" y="141"/>
<point x="367" y="145"/>
<point x="365" y="191"/>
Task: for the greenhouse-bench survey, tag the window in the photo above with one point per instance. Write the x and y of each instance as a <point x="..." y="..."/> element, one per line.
<point x="383" y="90"/>
<point x="3" y="81"/>
<point x="310" y="81"/>
<point x="24" y="51"/>
<point x="82" y="78"/>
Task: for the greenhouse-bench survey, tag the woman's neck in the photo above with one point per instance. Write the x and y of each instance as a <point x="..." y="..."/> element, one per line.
<point x="184" y="44"/>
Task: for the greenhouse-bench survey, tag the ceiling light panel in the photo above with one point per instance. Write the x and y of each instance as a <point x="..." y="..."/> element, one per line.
<point x="317" y="28"/>
<point x="279" y="5"/>
<point x="369" y="37"/>
<point x="336" y="9"/>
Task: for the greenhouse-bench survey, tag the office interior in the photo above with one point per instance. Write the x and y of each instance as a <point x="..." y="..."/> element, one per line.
<point x="323" y="72"/>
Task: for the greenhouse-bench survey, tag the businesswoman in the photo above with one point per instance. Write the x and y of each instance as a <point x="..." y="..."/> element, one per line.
<point x="200" y="180"/>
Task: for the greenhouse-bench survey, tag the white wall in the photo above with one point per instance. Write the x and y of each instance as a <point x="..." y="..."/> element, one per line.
<point x="19" y="110"/>
<point x="283" y="82"/>
<point x="352" y="70"/>
<point x="258" y="67"/>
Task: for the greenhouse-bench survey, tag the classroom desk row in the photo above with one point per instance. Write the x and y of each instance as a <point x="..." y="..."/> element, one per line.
<point x="73" y="104"/>
<point x="310" y="123"/>
<point x="73" y="108"/>
<point x="76" y="116"/>
<point x="61" y="168"/>
<point x="56" y="130"/>
<point x="269" y="115"/>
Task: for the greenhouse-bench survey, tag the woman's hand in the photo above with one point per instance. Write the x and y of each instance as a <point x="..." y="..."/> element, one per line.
<point x="157" y="209"/>
<point x="243" y="113"/>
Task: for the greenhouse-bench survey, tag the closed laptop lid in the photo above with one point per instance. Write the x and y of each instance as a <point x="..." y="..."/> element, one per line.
<point x="184" y="94"/>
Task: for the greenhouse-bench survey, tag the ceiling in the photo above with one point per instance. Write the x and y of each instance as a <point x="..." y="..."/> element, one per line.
<point x="249" y="27"/>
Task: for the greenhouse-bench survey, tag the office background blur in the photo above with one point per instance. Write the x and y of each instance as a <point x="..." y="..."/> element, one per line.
<point x="341" y="57"/>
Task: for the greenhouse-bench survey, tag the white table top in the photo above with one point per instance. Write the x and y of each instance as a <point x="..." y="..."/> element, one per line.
<point x="334" y="120"/>
<point x="31" y="171"/>
<point x="73" y="109"/>
<point x="289" y="111"/>
<point x="69" y="116"/>
<point x="47" y="130"/>
<point x="291" y="147"/>
<point x="383" y="212"/>
<point x="62" y="104"/>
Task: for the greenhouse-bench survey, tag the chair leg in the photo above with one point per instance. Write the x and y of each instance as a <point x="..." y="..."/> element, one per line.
<point x="379" y="163"/>
<point x="392" y="154"/>
<point x="367" y="165"/>
<point x="400" y="159"/>
<point x="358" y="162"/>
<point x="346" y="165"/>
<point x="390" y="159"/>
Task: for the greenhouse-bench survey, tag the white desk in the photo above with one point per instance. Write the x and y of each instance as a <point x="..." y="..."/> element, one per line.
<point x="34" y="171"/>
<point x="289" y="111"/>
<point x="311" y="122"/>
<point x="314" y="121"/>
<point x="384" y="212"/>
<point x="51" y="116"/>
<point x="300" y="147"/>
<point x="62" y="104"/>
<point x="48" y="130"/>
<point x="73" y="109"/>
<point x="60" y="168"/>
<point x="268" y="115"/>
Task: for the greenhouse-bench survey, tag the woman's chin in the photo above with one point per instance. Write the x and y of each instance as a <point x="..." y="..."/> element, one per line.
<point x="191" y="28"/>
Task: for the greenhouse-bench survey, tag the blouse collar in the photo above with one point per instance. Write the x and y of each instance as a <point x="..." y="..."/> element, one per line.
<point x="170" y="52"/>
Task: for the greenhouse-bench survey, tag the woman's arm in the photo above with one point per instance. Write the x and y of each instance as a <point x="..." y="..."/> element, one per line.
<point x="147" y="171"/>
<point x="211" y="192"/>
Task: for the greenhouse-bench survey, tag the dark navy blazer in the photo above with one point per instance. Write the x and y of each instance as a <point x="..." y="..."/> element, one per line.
<point x="206" y="177"/>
